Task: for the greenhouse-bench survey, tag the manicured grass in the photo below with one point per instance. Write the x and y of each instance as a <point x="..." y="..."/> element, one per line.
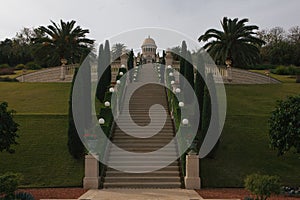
<point x="42" y="156"/>
<point x="43" y="159"/>
<point x="244" y="145"/>
<point x="40" y="98"/>
<point x="17" y="73"/>
<point x="282" y="78"/>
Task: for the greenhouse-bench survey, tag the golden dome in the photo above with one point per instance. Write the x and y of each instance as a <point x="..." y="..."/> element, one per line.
<point x="149" y="42"/>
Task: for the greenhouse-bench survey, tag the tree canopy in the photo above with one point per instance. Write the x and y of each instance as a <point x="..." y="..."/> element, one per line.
<point x="62" y="41"/>
<point x="237" y="42"/>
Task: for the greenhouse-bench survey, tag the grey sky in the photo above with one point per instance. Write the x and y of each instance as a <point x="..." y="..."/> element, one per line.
<point x="105" y="18"/>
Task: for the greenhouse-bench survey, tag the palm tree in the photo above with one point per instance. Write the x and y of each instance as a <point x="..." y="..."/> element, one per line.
<point x="117" y="50"/>
<point x="62" y="41"/>
<point x="237" y="42"/>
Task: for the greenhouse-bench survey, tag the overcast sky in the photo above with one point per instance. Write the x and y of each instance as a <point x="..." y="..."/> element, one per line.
<point x="106" y="18"/>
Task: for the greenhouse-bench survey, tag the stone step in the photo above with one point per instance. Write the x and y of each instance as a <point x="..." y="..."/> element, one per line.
<point x="150" y="174"/>
<point x="142" y="179"/>
<point x="141" y="157"/>
<point x="143" y="185"/>
<point x="163" y="153"/>
<point x="140" y="163"/>
<point x="143" y="144"/>
<point x="143" y="140"/>
<point x="146" y="168"/>
<point x="146" y="128"/>
<point x="147" y="149"/>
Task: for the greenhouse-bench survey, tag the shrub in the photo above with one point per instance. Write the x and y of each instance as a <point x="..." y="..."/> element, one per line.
<point x="262" y="186"/>
<point x="6" y="71"/>
<point x="7" y="79"/>
<point x="33" y="66"/>
<point x="8" y="129"/>
<point x="4" y="66"/>
<point x="20" y="67"/>
<point x="9" y="183"/>
<point x="284" y="125"/>
<point x="282" y="70"/>
<point x="24" y="196"/>
<point x="261" y="67"/>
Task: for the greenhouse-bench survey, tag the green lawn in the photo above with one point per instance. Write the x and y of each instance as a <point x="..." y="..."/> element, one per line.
<point x="42" y="155"/>
<point x="18" y="73"/>
<point x="244" y="142"/>
<point x="36" y="98"/>
<point x="282" y="78"/>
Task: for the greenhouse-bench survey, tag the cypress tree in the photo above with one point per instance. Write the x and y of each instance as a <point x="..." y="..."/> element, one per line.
<point x="199" y="86"/>
<point x="130" y="64"/>
<point x="182" y="61"/>
<point x="104" y="68"/>
<point x="189" y="69"/>
<point x="100" y="90"/>
<point x="207" y="113"/>
<point x="75" y="145"/>
<point x="107" y="72"/>
<point x="162" y="67"/>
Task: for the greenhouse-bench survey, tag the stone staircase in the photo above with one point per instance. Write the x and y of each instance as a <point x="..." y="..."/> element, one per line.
<point x="45" y="75"/>
<point x="240" y="76"/>
<point x="140" y="102"/>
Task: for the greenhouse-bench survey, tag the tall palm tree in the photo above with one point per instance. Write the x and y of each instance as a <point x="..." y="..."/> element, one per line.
<point x="237" y="42"/>
<point x="62" y="41"/>
<point x="117" y="50"/>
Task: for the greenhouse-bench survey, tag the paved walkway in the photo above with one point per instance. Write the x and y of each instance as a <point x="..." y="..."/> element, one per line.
<point x="141" y="194"/>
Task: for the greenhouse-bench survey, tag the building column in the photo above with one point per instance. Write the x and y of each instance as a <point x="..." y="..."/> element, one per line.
<point x="91" y="178"/>
<point x="192" y="178"/>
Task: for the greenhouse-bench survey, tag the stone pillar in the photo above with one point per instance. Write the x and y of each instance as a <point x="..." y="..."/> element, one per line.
<point x="192" y="179"/>
<point x="228" y="63"/>
<point x="91" y="178"/>
<point x="23" y="75"/>
<point x="124" y="58"/>
<point x="63" y="69"/>
<point x="169" y="58"/>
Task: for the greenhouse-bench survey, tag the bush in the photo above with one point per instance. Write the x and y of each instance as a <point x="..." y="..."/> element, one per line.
<point x="9" y="183"/>
<point x="4" y="66"/>
<point x="284" y="125"/>
<point x="7" y="79"/>
<point x="262" y="185"/>
<point x="261" y="67"/>
<point x="33" y="66"/>
<point x="6" y="71"/>
<point x="20" y="67"/>
<point x="282" y="70"/>
<point x="24" y="196"/>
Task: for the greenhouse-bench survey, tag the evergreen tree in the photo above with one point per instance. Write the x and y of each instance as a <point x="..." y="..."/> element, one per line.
<point x="182" y="61"/>
<point x="8" y="129"/>
<point x="207" y="113"/>
<point x="189" y="78"/>
<point x="104" y="68"/>
<point x="162" y="67"/>
<point x="199" y="86"/>
<point x="130" y="64"/>
<point x="75" y="145"/>
<point x="100" y="93"/>
<point x="189" y="69"/>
